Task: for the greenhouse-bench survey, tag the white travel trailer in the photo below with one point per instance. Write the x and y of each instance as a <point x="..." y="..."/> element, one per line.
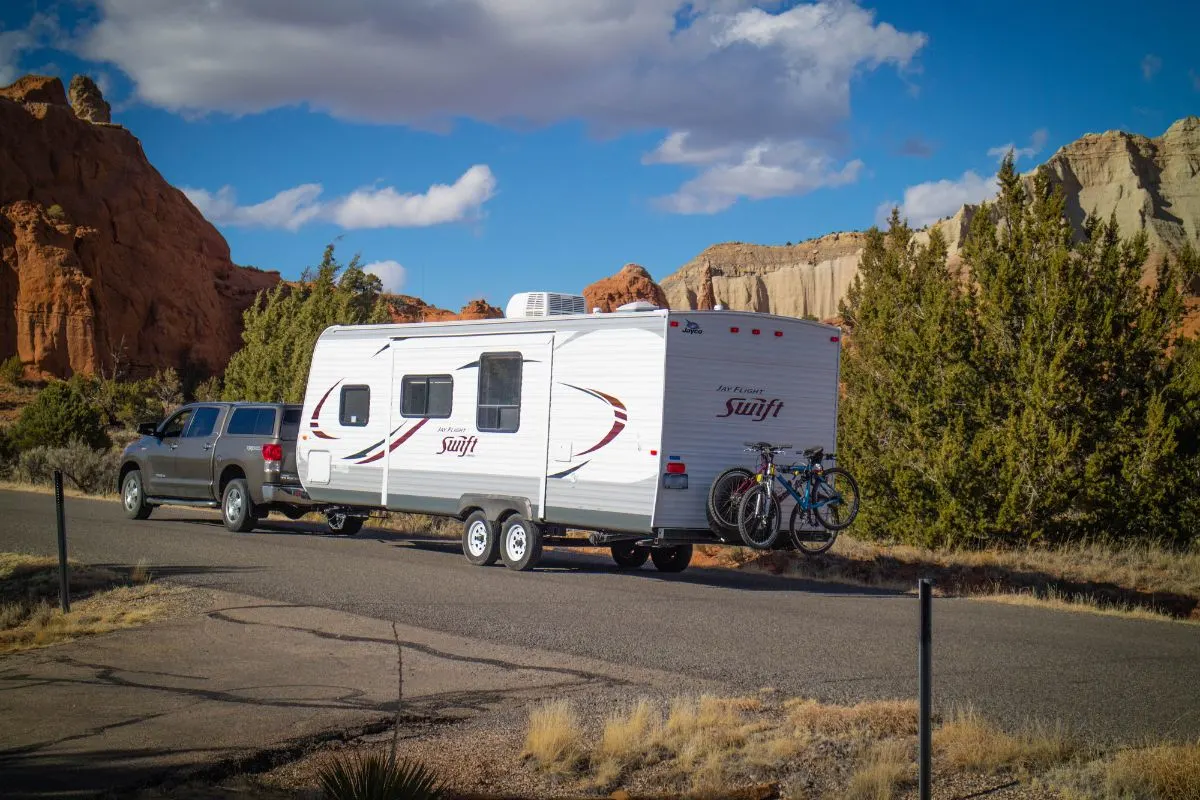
<point x="553" y="421"/>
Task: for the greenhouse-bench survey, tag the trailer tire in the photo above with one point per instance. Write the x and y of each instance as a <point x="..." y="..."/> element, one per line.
<point x="237" y="509"/>
<point x="520" y="543"/>
<point x="672" y="559"/>
<point x="629" y="555"/>
<point x="480" y="542"/>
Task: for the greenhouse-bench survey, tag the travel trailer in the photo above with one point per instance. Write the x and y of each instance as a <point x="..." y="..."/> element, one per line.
<point x="556" y="426"/>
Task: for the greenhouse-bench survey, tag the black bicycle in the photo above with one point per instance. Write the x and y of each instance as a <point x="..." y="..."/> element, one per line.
<point x="825" y="497"/>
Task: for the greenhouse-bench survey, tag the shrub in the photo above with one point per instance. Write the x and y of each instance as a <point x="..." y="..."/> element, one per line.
<point x="11" y="370"/>
<point x="60" y="414"/>
<point x="88" y="470"/>
<point x="378" y="776"/>
<point x="56" y="213"/>
<point x="209" y="390"/>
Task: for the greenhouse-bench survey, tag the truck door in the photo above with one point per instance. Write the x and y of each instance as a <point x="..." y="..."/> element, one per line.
<point x="160" y="455"/>
<point x="194" y="455"/>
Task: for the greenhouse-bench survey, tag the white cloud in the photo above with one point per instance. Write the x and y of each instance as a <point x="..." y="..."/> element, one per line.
<point x="15" y="43"/>
<point x="390" y="273"/>
<point x="768" y="169"/>
<point x="1036" y="142"/>
<point x="387" y="208"/>
<point x="928" y="202"/>
<point x="1151" y="64"/>
<point x="364" y="208"/>
<point x="729" y="75"/>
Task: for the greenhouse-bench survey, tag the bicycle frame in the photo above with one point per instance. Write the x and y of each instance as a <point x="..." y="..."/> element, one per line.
<point x="804" y="501"/>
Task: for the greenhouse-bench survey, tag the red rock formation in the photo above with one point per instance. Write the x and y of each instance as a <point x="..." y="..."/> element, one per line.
<point x="632" y="283"/>
<point x="99" y="252"/>
<point x="406" y="308"/>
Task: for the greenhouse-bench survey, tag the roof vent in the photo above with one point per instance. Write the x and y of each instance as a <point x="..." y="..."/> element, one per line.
<point x="638" y="305"/>
<point x="544" y="304"/>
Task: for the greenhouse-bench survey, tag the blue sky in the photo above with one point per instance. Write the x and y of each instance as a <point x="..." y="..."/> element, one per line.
<point x="477" y="148"/>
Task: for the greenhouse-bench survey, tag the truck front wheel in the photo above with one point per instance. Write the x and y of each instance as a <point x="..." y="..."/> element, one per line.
<point x="237" y="510"/>
<point x="133" y="496"/>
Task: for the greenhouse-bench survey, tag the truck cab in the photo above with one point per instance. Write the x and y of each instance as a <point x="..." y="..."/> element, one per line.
<point x="239" y="457"/>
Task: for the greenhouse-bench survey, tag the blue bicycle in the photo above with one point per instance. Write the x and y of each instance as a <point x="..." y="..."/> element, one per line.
<point x="827" y="496"/>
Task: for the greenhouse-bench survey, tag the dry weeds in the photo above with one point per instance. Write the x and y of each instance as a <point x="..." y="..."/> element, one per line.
<point x="1163" y="772"/>
<point x="554" y="740"/>
<point x="875" y="718"/>
<point x="887" y="766"/>
<point x="103" y="600"/>
<point x="968" y="742"/>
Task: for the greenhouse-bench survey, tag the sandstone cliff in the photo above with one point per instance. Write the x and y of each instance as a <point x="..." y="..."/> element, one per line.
<point x="631" y="283"/>
<point x="405" y="308"/>
<point x="1151" y="184"/>
<point x="99" y="252"/>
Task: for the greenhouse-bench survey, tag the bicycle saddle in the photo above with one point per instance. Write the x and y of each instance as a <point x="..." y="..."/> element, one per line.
<point x="815" y="453"/>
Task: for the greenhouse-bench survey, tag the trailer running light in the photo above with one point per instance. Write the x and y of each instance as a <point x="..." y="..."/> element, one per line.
<point x="674" y="323"/>
<point x="734" y="330"/>
<point x="756" y="331"/>
<point x="676" y="468"/>
<point x="272" y="452"/>
<point x="833" y="338"/>
<point x="779" y="333"/>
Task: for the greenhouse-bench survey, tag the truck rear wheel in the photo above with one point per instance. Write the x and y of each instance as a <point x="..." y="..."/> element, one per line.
<point x="628" y="555"/>
<point x="672" y="559"/>
<point x="480" y="543"/>
<point x="237" y="510"/>
<point x="520" y="543"/>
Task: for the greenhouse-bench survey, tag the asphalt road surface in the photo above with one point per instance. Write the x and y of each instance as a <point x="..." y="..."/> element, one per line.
<point x="1110" y="678"/>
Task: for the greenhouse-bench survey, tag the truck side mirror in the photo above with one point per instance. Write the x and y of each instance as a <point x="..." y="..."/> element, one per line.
<point x="148" y="428"/>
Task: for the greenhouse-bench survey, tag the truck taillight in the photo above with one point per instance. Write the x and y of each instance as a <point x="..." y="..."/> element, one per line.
<point x="272" y="452"/>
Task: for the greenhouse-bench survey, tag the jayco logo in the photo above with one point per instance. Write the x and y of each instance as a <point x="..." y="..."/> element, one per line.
<point x="692" y="327"/>
<point x="461" y="445"/>
<point x="758" y="408"/>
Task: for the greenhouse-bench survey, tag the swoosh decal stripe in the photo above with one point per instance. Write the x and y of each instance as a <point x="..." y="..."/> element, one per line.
<point x="317" y="411"/>
<point x="617" y="427"/>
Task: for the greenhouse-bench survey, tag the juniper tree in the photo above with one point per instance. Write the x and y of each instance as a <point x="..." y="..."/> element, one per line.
<point x="281" y="329"/>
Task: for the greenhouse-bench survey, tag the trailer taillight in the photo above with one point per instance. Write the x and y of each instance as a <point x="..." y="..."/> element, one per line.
<point x="272" y="452"/>
<point x="676" y="468"/>
<point x="676" y="474"/>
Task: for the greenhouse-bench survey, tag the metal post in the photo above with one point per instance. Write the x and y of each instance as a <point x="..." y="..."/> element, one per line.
<point x="64" y="578"/>
<point x="924" y="728"/>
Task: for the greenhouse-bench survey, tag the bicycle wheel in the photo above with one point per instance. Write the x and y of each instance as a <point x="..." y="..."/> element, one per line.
<point x="836" y="492"/>
<point x="723" y="498"/>
<point x="758" y="517"/>
<point x="809" y="542"/>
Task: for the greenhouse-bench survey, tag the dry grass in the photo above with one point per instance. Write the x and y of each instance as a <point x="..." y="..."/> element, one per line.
<point x="887" y="766"/>
<point x="969" y="743"/>
<point x="1164" y="772"/>
<point x="103" y="600"/>
<point x="1143" y="580"/>
<point x="876" y="718"/>
<point x="627" y="741"/>
<point x="554" y="740"/>
<point x="1081" y="604"/>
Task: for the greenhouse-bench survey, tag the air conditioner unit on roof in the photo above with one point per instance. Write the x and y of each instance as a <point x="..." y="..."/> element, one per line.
<point x="544" y="304"/>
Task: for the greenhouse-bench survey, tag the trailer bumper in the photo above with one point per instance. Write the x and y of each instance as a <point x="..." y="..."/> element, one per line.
<point x="286" y="495"/>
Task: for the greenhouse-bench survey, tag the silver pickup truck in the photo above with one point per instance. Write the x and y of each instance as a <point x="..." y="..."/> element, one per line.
<point x="239" y="457"/>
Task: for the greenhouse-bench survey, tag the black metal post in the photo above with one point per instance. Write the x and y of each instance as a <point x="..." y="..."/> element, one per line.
<point x="64" y="578"/>
<point x="924" y="728"/>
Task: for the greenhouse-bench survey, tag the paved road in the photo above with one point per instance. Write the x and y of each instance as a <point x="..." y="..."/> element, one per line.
<point x="1108" y="677"/>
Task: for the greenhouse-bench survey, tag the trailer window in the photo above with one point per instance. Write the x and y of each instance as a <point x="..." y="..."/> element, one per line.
<point x="499" y="392"/>
<point x="429" y="396"/>
<point x="251" y="422"/>
<point x="356" y="406"/>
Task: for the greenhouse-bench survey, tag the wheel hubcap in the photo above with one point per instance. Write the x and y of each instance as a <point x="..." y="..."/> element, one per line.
<point x="131" y="495"/>
<point x="233" y="505"/>
<point x="337" y="521"/>
<point x="477" y="537"/>
<point x="516" y="543"/>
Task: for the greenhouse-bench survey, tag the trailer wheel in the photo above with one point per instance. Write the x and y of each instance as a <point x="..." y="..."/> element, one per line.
<point x="672" y="559"/>
<point x="480" y="543"/>
<point x="520" y="543"/>
<point x="628" y="555"/>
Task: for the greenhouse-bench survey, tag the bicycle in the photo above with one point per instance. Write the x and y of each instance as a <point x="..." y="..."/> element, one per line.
<point x="830" y="497"/>
<point x="725" y="493"/>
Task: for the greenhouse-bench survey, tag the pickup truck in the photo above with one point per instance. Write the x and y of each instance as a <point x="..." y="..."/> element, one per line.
<point x="238" y="457"/>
